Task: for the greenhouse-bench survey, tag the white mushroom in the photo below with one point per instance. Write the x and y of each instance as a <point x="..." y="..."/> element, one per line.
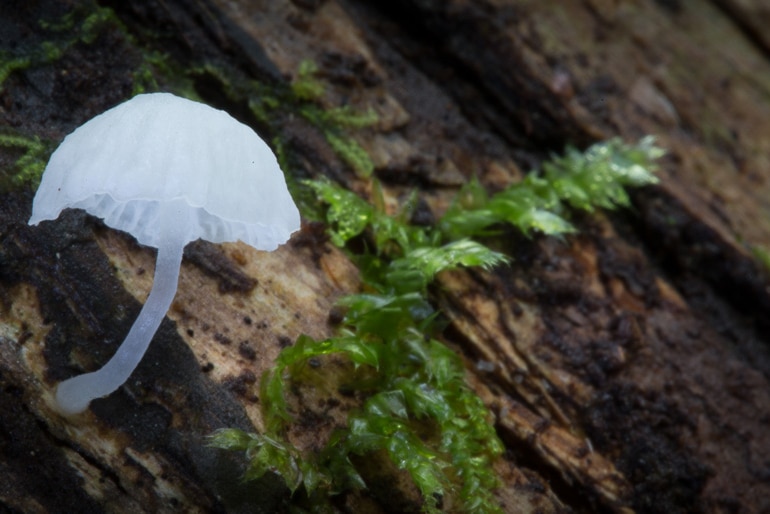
<point x="168" y="171"/>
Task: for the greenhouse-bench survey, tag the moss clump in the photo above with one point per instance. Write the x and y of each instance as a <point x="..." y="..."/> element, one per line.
<point x="81" y="25"/>
<point x="29" y="166"/>
<point x="417" y="408"/>
<point x="762" y="254"/>
<point x="596" y="178"/>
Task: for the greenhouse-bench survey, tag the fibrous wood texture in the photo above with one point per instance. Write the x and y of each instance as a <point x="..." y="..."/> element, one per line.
<point x="627" y="367"/>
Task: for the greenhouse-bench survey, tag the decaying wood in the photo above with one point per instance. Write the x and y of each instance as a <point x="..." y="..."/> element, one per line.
<point x="627" y="367"/>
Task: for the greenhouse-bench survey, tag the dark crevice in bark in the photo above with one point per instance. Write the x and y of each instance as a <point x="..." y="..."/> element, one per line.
<point x="753" y="31"/>
<point x="685" y="246"/>
<point x="462" y="49"/>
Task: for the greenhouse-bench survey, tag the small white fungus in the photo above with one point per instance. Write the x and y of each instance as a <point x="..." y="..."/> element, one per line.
<point x="168" y="171"/>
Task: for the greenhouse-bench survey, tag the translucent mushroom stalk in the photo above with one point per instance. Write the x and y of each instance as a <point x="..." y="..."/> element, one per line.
<point x="75" y="394"/>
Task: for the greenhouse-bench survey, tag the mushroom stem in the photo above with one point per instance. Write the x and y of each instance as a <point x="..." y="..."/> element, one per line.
<point x="74" y="395"/>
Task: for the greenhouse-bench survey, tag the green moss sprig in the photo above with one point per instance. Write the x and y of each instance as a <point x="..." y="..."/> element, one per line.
<point x="28" y="168"/>
<point x="81" y="25"/>
<point x="334" y="122"/>
<point x="586" y="180"/>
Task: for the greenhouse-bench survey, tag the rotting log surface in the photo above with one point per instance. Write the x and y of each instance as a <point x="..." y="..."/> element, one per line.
<point x="629" y="364"/>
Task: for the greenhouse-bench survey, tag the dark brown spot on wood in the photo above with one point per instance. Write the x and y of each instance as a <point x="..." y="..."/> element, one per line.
<point x="210" y="259"/>
<point x="246" y="351"/>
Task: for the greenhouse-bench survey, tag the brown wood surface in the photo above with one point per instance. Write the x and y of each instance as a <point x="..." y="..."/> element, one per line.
<point x="627" y="367"/>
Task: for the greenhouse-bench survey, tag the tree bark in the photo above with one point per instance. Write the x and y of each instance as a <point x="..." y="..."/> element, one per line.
<point x="627" y="367"/>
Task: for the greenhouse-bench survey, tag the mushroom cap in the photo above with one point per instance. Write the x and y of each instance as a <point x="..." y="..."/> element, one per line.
<point x="129" y="164"/>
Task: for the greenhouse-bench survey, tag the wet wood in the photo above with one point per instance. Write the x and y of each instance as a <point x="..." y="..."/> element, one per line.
<point x="627" y="367"/>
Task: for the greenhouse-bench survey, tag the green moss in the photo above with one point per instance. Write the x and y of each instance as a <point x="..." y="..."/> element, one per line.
<point x="306" y="86"/>
<point x="762" y="254"/>
<point x="29" y="166"/>
<point x="157" y="64"/>
<point x="82" y="24"/>
<point x="334" y="123"/>
<point x="351" y="153"/>
<point x="417" y="408"/>
<point x="586" y="180"/>
<point x="10" y="64"/>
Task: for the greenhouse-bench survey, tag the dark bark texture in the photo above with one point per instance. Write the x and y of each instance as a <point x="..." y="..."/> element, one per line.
<point x="630" y="362"/>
